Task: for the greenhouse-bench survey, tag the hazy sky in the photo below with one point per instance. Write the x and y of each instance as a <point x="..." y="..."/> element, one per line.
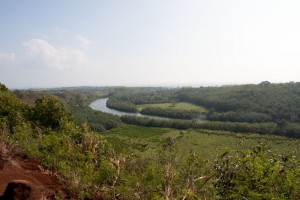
<point x="148" y="42"/>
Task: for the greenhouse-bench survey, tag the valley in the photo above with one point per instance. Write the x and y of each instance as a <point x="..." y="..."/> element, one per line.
<point x="211" y="147"/>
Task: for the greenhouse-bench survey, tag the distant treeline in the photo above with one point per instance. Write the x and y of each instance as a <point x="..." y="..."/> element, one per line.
<point x="172" y="113"/>
<point x="265" y="102"/>
<point x="289" y="130"/>
<point x="145" y="95"/>
<point x="250" y="103"/>
<point x="126" y="99"/>
<point x="240" y="116"/>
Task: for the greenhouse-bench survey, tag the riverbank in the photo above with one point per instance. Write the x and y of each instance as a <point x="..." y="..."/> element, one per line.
<point x="100" y="105"/>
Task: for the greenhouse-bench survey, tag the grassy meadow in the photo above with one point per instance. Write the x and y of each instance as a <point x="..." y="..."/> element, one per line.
<point x="145" y="141"/>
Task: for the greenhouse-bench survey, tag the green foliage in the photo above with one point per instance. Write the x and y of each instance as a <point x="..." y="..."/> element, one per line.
<point x="81" y="156"/>
<point x="174" y="105"/>
<point x="290" y="129"/>
<point x="172" y="113"/>
<point x="239" y="108"/>
<point x="232" y="116"/>
<point x="144" y="95"/>
<point x="47" y="133"/>
<point x="149" y="122"/>
<point x="49" y="112"/>
<point x="182" y="165"/>
<point x="137" y="131"/>
<point x="12" y="111"/>
<point x="257" y="174"/>
<point x="162" y="177"/>
<point x="97" y="121"/>
<point x="77" y="102"/>
<point x="155" y="163"/>
<point x="278" y="101"/>
<point x="207" y="144"/>
<point x="121" y="105"/>
<point x="3" y="88"/>
<point x="126" y="99"/>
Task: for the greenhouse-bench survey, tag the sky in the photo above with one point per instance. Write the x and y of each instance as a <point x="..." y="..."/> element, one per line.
<point x="148" y="42"/>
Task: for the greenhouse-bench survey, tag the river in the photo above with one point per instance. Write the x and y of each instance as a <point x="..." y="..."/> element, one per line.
<point x="100" y="105"/>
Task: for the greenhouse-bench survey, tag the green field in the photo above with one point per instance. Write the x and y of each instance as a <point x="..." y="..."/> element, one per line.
<point x="205" y="143"/>
<point x="176" y="106"/>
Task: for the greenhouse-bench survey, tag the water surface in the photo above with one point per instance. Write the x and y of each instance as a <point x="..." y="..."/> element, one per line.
<point x="100" y="105"/>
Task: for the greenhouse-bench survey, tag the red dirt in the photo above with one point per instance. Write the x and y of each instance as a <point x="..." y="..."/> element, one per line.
<point x="20" y="168"/>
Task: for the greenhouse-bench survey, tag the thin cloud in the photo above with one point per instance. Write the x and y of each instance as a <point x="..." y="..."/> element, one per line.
<point x="82" y="40"/>
<point x="55" y="57"/>
<point x="7" y="57"/>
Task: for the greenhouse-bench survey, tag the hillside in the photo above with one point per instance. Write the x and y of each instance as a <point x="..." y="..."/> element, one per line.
<point x="136" y="162"/>
<point x="47" y="133"/>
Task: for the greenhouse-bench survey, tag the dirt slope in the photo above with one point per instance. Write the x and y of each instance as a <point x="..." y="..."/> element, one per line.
<point x="17" y="167"/>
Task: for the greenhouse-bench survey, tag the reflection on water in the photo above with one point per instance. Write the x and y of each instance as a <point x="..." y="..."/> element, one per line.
<point x="100" y="105"/>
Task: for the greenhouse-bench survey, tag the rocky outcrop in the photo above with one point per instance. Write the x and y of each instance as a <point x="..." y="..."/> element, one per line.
<point x="24" y="178"/>
<point x="21" y="190"/>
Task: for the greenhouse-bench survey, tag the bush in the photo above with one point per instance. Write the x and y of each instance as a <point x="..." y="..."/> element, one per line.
<point x="49" y="112"/>
<point x="257" y="174"/>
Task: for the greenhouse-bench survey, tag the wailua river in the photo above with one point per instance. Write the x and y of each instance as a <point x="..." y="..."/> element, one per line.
<point x="100" y="105"/>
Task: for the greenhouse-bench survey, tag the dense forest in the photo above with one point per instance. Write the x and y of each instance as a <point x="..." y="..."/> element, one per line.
<point x="94" y="169"/>
<point x="265" y="108"/>
<point x="126" y="99"/>
<point x="262" y="102"/>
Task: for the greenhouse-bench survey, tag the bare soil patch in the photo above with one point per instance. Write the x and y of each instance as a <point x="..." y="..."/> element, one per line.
<point x="20" y="167"/>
